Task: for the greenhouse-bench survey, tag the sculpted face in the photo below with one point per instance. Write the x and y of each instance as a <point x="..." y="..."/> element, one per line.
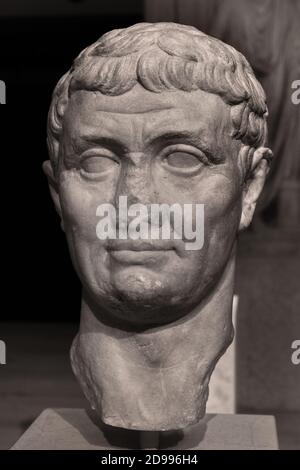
<point x="131" y="120"/>
<point x="169" y="147"/>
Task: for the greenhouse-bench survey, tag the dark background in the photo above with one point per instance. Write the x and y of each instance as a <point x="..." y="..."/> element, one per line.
<point x="37" y="46"/>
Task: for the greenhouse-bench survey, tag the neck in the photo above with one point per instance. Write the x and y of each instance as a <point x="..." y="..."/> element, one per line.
<point x="156" y="379"/>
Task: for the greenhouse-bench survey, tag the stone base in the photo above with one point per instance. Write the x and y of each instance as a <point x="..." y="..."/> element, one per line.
<point x="78" y="429"/>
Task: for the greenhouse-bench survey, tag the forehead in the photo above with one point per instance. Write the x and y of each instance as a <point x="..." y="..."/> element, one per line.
<point x="149" y="112"/>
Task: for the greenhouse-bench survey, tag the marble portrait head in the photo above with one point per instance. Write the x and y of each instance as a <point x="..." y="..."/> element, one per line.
<point x="162" y="114"/>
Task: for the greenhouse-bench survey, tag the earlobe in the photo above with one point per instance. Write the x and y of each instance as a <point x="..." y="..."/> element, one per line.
<point x="53" y="187"/>
<point x="260" y="166"/>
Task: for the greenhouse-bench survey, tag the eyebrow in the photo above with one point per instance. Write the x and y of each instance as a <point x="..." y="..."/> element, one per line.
<point x="159" y="142"/>
<point x="82" y="142"/>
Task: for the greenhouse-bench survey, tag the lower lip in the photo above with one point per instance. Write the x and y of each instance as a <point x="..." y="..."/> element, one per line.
<point x="137" y="257"/>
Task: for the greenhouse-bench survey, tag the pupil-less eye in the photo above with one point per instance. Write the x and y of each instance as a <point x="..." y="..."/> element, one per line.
<point x="98" y="164"/>
<point x="182" y="160"/>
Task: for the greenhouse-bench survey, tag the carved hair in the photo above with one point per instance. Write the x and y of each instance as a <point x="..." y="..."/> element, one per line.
<point x="165" y="56"/>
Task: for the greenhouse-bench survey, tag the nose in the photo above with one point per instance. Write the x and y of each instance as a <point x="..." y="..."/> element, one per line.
<point x="135" y="183"/>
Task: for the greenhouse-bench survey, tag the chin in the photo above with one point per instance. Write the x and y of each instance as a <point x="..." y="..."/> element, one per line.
<point x="141" y="285"/>
<point x="137" y="296"/>
<point x="132" y="297"/>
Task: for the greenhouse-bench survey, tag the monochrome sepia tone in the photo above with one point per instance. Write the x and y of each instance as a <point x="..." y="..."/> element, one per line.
<point x="162" y="114"/>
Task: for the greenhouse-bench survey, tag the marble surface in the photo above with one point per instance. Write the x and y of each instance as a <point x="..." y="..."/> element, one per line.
<point x="74" y="429"/>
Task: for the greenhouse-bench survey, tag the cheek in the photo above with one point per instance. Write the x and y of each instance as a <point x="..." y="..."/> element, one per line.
<point x="221" y="196"/>
<point x="222" y="200"/>
<point x="79" y="202"/>
<point x="217" y="189"/>
<point x="222" y="216"/>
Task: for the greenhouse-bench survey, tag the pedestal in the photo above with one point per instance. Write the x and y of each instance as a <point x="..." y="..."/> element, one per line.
<point x="78" y="429"/>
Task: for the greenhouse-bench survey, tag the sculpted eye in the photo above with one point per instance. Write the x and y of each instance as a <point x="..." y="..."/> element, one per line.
<point x="182" y="160"/>
<point x="98" y="163"/>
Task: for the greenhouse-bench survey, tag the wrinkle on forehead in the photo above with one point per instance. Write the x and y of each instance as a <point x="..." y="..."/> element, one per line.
<point x="140" y="115"/>
<point x="139" y="100"/>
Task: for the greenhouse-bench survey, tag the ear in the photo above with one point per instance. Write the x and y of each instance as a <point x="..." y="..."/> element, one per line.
<point x="48" y="170"/>
<point x="260" y="166"/>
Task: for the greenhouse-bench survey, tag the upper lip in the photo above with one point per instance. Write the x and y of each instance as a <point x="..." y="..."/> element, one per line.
<point x="138" y="245"/>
